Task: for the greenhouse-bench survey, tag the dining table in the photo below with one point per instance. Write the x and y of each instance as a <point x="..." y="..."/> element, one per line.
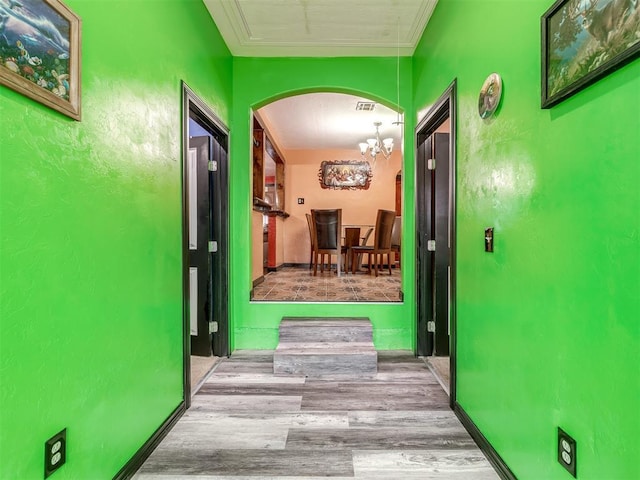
<point x="364" y="228"/>
<point x="354" y="235"/>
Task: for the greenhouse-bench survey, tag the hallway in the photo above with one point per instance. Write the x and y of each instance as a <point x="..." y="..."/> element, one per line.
<point x="244" y="423"/>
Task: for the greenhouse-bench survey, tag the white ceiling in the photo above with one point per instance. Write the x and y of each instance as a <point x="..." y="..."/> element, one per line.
<point x="326" y="121"/>
<point x="328" y="28"/>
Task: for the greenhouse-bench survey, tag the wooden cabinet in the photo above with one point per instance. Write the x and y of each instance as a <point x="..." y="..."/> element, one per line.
<point x="258" y="161"/>
<point x="268" y="172"/>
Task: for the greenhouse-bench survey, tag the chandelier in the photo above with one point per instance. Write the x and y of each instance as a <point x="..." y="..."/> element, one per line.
<point x="375" y="146"/>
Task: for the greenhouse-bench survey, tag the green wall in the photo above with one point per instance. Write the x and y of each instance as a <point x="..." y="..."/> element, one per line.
<point x="90" y="247"/>
<point x="90" y="239"/>
<point x="548" y="331"/>
<point x="257" y="81"/>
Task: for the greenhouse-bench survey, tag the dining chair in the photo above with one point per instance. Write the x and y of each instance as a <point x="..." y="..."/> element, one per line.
<point x="358" y="256"/>
<point x="312" y="238"/>
<point x="351" y="239"/>
<point x="396" y="234"/>
<point x="327" y="225"/>
<point x="381" y="242"/>
<point x="365" y="238"/>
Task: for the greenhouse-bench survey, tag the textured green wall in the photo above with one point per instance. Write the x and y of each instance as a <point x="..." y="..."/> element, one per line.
<point x="548" y="331"/>
<point x="90" y="232"/>
<point x="257" y="81"/>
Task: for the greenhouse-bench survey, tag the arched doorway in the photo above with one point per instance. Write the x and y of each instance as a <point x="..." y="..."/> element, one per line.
<point x="298" y="134"/>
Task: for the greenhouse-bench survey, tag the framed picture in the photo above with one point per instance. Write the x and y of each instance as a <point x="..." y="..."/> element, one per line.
<point x="345" y="174"/>
<point x="584" y="40"/>
<point x="40" y="52"/>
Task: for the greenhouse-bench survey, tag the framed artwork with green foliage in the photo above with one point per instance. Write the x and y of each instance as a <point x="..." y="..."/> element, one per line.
<point x="584" y="40"/>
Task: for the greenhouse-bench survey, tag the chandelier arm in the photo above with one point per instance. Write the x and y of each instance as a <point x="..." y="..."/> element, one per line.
<point x="376" y="145"/>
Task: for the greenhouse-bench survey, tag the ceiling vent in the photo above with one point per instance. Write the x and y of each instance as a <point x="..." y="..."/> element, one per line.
<point x="365" y="106"/>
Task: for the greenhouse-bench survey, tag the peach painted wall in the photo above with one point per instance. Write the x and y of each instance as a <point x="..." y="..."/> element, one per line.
<point x="358" y="206"/>
<point x="445" y="127"/>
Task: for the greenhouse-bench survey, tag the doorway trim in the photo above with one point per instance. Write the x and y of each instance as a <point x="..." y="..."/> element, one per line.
<point x="444" y="107"/>
<point x="221" y="340"/>
<point x="447" y="105"/>
<point x="254" y="113"/>
<point x="190" y="99"/>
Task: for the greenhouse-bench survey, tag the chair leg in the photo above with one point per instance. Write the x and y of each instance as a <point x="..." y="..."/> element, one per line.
<point x="389" y="261"/>
<point x="315" y="265"/>
<point x="376" y="257"/>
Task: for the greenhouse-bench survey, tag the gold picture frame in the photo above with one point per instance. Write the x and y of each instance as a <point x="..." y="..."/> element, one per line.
<point x="345" y="175"/>
<point x="40" y="53"/>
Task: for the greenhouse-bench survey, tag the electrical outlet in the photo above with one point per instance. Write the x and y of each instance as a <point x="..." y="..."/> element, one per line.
<point x="55" y="452"/>
<point x="300" y="201"/>
<point x="567" y="451"/>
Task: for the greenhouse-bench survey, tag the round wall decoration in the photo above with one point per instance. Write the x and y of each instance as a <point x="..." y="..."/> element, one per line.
<point x="490" y="95"/>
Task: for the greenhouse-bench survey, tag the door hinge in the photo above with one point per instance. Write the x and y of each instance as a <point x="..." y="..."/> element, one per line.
<point x="213" y="166"/>
<point x="431" y="164"/>
<point x="431" y="245"/>
<point x="431" y="326"/>
<point x="213" y="246"/>
<point x="213" y="327"/>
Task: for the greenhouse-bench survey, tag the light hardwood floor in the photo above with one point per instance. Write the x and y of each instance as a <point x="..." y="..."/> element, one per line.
<point x="247" y="424"/>
<point x="200" y="368"/>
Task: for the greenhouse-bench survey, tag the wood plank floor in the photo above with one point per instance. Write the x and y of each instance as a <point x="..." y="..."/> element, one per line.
<point x="247" y="424"/>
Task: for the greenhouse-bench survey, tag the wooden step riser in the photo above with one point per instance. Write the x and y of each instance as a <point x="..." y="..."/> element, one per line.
<point x="363" y="364"/>
<point x="331" y="334"/>
<point x="330" y="330"/>
<point x="332" y="347"/>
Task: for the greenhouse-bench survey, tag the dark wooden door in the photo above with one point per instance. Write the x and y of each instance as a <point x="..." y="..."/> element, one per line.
<point x="441" y="234"/>
<point x="200" y="227"/>
<point x="424" y="268"/>
<point x="219" y="267"/>
<point x="433" y="243"/>
<point x="208" y="270"/>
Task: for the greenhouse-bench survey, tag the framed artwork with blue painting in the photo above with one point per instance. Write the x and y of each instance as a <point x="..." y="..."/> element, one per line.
<point x="40" y="52"/>
<point x="584" y="40"/>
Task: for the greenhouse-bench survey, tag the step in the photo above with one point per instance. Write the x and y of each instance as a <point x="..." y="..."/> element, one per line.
<point x="341" y="329"/>
<point x="326" y="347"/>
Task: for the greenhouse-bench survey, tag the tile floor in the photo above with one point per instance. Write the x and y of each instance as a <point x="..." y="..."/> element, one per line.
<point x="297" y="284"/>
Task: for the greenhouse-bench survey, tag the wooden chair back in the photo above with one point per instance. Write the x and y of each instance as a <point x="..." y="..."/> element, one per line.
<point x="396" y="233"/>
<point x="312" y="237"/>
<point x="351" y="237"/>
<point x="384" y="229"/>
<point x="327" y="226"/>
